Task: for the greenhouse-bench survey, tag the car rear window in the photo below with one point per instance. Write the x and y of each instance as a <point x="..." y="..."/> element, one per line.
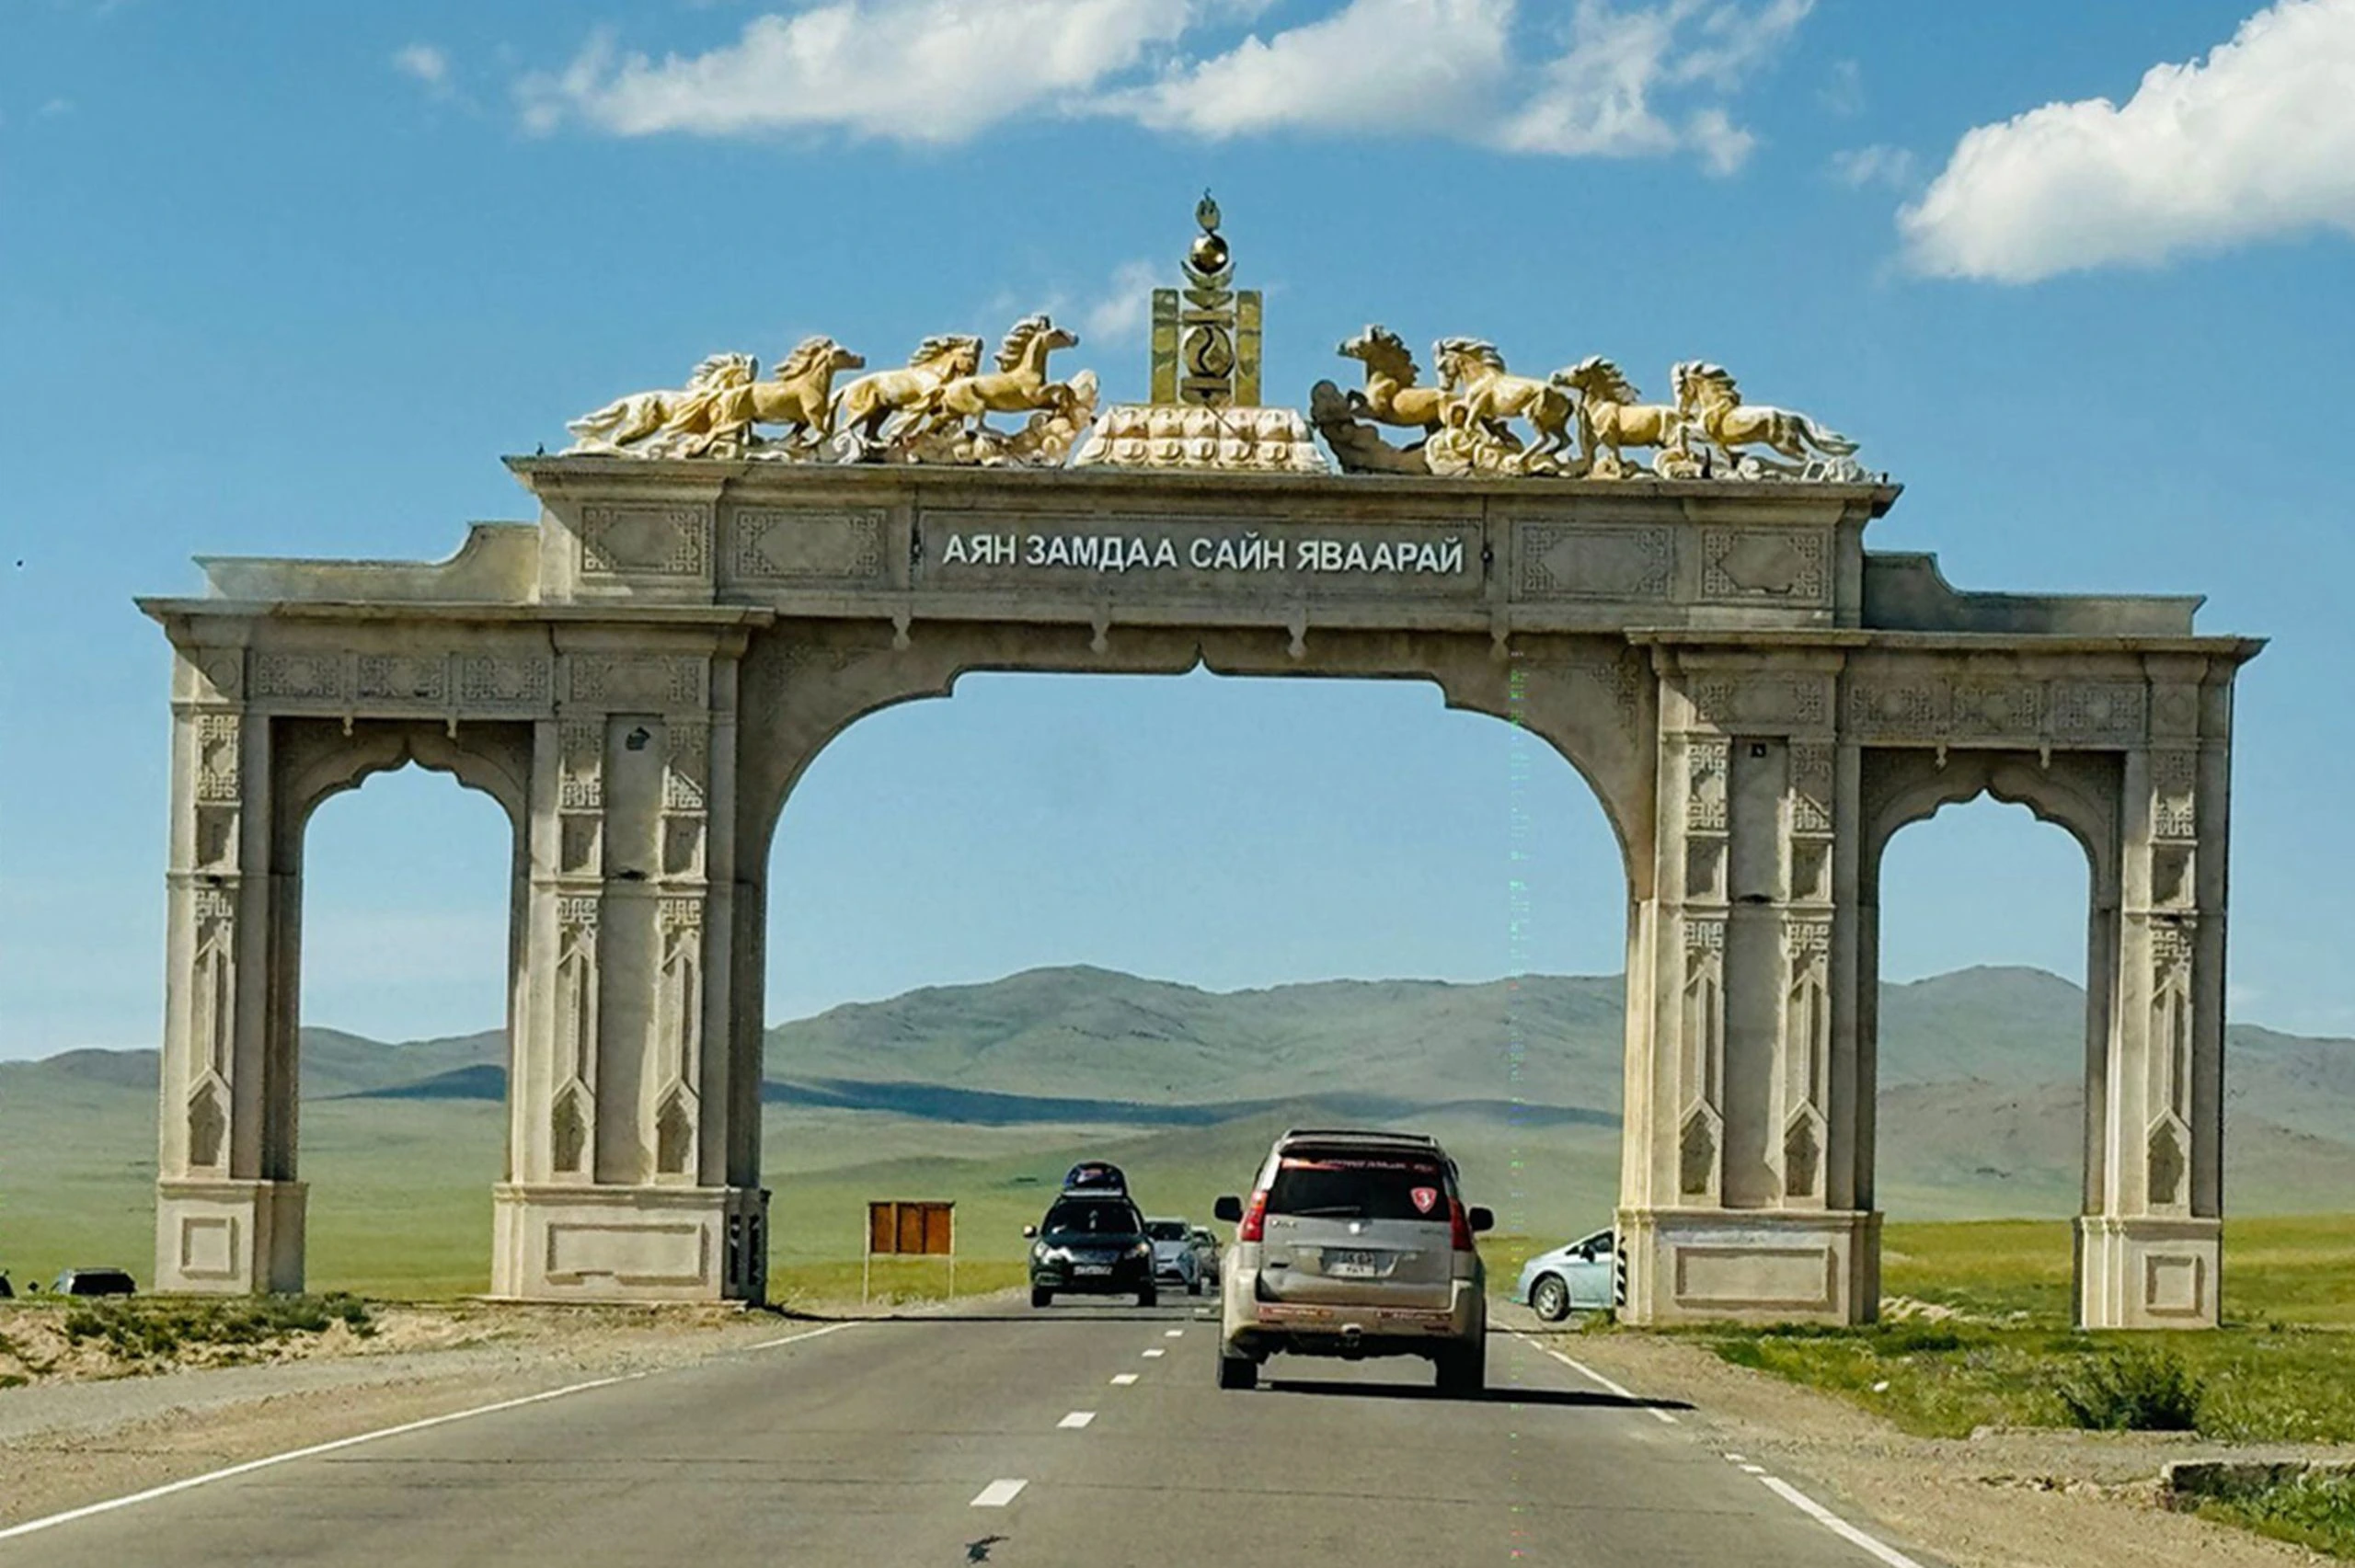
<point x="1100" y="1216"/>
<point x="1340" y="1185"/>
<point x="1163" y="1230"/>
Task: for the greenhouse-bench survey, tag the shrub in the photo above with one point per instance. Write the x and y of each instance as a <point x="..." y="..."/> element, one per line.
<point x="2138" y="1390"/>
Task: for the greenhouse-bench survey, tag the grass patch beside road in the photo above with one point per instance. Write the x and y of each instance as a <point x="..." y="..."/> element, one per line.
<point x="2315" y="1511"/>
<point x="2281" y="1371"/>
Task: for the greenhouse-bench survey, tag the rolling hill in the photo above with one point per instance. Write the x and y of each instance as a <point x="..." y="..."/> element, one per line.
<point x="986" y="1091"/>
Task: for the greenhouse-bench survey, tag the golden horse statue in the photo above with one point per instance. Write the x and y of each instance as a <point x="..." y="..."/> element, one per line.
<point x="1708" y="396"/>
<point x="1481" y="392"/>
<point x="1610" y="417"/>
<point x="863" y="407"/>
<point x="626" y="421"/>
<point x="1390" y="395"/>
<point x="1019" y="386"/>
<point x="797" y="396"/>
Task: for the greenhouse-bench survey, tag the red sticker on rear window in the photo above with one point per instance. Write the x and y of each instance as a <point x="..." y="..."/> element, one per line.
<point x="1425" y="1197"/>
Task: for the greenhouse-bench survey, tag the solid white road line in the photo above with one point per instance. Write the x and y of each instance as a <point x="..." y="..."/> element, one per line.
<point x="1836" y="1524"/>
<point x="1783" y="1489"/>
<point x="1155" y="1351"/>
<point x="51" y="1522"/>
<point x="1583" y="1370"/>
<point x="1076" y="1419"/>
<point x="1123" y="1380"/>
<point x="998" y="1493"/>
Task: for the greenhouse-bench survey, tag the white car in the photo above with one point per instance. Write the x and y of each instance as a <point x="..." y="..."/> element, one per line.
<point x="1173" y="1253"/>
<point x="1579" y="1276"/>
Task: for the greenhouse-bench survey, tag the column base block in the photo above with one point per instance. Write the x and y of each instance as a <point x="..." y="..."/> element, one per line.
<point x="229" y="1238"/>
<point x="2148" y="1273"/>
<point x="580" y="1242"/>
<point x="1690" y="1265"/>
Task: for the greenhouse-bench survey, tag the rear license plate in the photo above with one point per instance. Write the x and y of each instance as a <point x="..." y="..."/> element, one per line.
<point x="1093" y="1268"/>
<point x="1351" y="1266"/>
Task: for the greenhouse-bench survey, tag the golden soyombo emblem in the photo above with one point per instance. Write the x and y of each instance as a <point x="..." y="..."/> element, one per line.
<point x="1476" y="420"/>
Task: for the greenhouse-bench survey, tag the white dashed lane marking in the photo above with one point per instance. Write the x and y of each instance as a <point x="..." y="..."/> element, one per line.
<point x="1076" y="1419"/>
<point x="1156" y="1351"/>
<point x="1173" y="1333"/>
<point x="998" y="1493"/>
<point x="1591" y="1375"/>
<point x="1123" y="1380"/>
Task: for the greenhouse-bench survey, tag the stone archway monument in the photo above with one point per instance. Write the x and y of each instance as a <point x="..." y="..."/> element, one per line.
<point x="1677" y="596"/>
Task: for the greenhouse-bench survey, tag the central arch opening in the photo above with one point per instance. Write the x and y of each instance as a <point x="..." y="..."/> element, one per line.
<point x="1157" y="920"/>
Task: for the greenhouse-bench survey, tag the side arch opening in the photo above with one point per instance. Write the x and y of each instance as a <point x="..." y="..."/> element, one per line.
<point x="1989" y="902"/>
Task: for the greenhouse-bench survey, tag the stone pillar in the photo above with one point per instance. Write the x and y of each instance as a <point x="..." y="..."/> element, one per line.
<point x="2148" y="1255"/>
<point x="626" y="1179"/>
<point x="228" y="1213"/>
<point x="1743" y="1202"/>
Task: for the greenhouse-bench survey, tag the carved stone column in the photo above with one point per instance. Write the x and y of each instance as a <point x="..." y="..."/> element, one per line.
<point x="228" y="1214"/>
<point x="626" y="1088"/>
<point x="1748" y="1208"/>
<point x="2149" y="1256"/>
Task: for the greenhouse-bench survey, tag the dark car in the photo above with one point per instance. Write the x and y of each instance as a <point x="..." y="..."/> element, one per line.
<point x="94" y="1282"/>
<point x="1090" y="1243"/>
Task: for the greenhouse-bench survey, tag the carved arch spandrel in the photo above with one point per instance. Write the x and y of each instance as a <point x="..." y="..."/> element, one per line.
<point x="316" y="760"/>
<point x="2080" y="792"/>
<point x="808" y="684"/>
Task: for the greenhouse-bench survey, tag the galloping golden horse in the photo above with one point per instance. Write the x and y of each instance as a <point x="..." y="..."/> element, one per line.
<point x="862" y="406"/>
<point x="1609" y="416"/>
<point x="687" y="411"/>
<point x="797" y="397"/>
<point x="1390" y="395"/>
<point x="1019" y="386"/>
<point x="1707" y="394"/>
<point x="1481" y="391"/>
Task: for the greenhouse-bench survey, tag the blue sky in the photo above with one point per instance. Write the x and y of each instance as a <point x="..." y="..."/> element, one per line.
<point x="282" y="278"/>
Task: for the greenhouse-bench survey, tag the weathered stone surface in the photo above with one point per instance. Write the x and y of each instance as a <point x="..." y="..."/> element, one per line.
<point x="1758" y="701"/>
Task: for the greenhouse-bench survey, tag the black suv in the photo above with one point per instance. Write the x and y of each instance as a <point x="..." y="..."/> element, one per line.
<point x="1090" y="1243"/>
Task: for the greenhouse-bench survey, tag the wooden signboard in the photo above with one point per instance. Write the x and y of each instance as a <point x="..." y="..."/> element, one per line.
<point x="899" y="1228"/>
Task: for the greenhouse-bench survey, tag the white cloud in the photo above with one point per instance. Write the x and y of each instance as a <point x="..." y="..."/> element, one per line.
<point x="425" y="63"/>
<point x="1877" y="165"/>
<point x="935" y="71"/>
<point x="943" y="71"/>
<point x="1373" y="65"/>
<point x="1118" y="316"/>
<point x="55" y="107"/>
<point x="2257" y="140"/>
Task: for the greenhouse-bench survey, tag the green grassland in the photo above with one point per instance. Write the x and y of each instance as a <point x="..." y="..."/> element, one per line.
<point x="2281" y="1368"/>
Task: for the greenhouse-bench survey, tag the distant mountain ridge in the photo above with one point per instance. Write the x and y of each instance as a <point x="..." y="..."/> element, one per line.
<point x="1981" y="1093"/>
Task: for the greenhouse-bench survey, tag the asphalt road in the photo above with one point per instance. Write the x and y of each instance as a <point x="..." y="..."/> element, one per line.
<point x="902" y="1443"/>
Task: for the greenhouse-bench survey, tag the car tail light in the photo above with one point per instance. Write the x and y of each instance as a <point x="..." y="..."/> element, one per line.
<point x="1254" y="1225"/>
<point x="1459" y="1225"/>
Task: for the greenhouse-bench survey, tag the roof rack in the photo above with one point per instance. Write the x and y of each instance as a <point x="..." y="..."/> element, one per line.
<point x="1372" y="1135"/>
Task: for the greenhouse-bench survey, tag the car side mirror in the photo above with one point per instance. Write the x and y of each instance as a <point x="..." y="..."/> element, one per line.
<point x="1229" y="1208"/>
<point x="1030" y="1230"/>
<point x="1480" y="1218"/>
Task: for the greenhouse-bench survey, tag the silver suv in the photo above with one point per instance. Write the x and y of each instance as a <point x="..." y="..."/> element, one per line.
<point x="1353" y="1245"/>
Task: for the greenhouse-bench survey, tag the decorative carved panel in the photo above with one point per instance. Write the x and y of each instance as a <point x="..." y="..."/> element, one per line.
<point x="312" y="675"/>
<point x="1766" y="702"/>
<point x="506" y="681"/>
<point x="406" y="678"/>
<point x="1749" y="564"/>
<point x="1566" y="561"/>
<point x="217" y="775"/>
<point x="1811" y="785"/>
<point x="778" y="544"/>
<point x="646" y="541"/>
<point x="2098" y="710"/>
<point x="638" y="680"/>
<point x="2174" y="773"/>
<point x="1708" y="761"/>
